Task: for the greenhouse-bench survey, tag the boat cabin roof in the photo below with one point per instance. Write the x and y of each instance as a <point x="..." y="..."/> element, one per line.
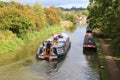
<point x="61" y="39"/>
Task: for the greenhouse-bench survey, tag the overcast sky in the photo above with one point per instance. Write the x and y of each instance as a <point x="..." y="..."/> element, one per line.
<point x="57" y="3"/>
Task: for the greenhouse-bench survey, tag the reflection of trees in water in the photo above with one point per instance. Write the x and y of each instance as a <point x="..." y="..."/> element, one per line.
<point x="92" y="59"/>
<point x="27" y="62"/>
<point x="82" y="23"/>
<point x="71" y="29"/>
<point x="22" y="53"/>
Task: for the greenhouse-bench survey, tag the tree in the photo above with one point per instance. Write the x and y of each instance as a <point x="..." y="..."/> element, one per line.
<point x="14" y="20"/>
<point x="52" y="16"/>
<point x="40" y="13"/>
<point x="104" y="14"/>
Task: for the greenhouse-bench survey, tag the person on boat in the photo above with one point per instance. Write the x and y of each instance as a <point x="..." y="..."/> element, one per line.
<point x="55" y="38"/>
<point x="60" y="35"/>
<point x="43" y="44"/>
<point x="48" y="46"/>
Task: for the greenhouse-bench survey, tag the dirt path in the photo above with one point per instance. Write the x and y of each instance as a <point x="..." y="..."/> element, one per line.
<point x="114" y="70"/>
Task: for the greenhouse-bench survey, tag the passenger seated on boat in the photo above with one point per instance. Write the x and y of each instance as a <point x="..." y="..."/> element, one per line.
<point x="55" y="38"/>
<point x="44" y="50"/>
<point x="48" y="46"/>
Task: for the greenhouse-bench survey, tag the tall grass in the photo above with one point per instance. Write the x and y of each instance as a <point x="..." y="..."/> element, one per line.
<point x="10" y="44"/>
<point x="9" y="47"/>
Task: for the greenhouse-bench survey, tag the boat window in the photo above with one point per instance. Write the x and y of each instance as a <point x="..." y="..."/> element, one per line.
<point x="89" y="41"/>
<point x="67" y="40"/>
<point x="60" y="41"/>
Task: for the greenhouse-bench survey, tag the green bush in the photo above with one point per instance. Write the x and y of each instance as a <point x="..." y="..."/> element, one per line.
<point x="10" y="44"/>
<point x="15" y="20"/>
<point x="52" y="16"/>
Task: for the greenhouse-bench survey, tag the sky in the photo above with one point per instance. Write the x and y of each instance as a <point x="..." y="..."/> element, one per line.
<point x="57" y="3"/>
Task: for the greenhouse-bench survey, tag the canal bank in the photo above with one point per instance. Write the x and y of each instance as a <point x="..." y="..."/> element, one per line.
<point x="103" y="70"/>
<point x="109" y="69"/>
<point x="31" y="44"/>
<point x="113" y="69"/>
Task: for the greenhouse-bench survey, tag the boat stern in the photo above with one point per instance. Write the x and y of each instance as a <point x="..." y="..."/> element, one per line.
<point x="43" y="55"/>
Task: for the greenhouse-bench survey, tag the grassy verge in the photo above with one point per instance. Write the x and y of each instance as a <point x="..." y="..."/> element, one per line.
<point x="10" y="48"/>
<point x="117" y="57"/>
<point x="103" y="67"/>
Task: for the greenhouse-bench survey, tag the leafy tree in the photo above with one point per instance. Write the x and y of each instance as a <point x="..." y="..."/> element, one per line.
<point x="83" y="12"/>
<point x="15" y="20"/>
<point x="71" y="16"/>
<point x="59" y="12"/>
<point x="104" y="14"/>
<point x="8" y="4"/>
<point x="40" y="13"/>
<point x="52" y="16"/>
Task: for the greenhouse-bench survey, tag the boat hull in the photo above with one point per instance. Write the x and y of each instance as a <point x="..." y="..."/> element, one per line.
<point x="48" y="58"/>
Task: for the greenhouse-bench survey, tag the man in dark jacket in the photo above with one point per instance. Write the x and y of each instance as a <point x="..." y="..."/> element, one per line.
<point x="48" y="46"/>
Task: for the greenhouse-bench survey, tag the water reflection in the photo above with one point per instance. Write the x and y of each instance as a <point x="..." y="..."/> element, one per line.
<point x="29" y="69"/>
<point x="92" y="58"/>
<point x="25" y="52"/>
<point x="27" y="62"/>
<point x="71" y="29"/>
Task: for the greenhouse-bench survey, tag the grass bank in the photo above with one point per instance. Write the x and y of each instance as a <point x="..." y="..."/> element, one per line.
<point x="10" y="48"/>
<point x="102" y="63"/>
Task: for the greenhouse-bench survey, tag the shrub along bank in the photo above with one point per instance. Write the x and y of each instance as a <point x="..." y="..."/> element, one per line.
<point x="11" y="45"/>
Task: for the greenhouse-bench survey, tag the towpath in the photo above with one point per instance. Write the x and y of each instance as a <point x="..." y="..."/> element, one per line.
<point x="113" y="68"/>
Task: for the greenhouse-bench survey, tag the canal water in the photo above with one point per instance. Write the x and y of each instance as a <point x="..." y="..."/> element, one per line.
<point x="74" y="66"/>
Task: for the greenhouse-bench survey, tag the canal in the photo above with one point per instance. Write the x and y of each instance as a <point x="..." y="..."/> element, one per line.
<point x="74" y="66"/>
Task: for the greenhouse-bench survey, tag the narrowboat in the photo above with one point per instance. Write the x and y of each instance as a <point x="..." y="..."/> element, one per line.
<point x="88" y="30"/>
<point x="55" y="47"/>
<point x="89" y="43"/>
